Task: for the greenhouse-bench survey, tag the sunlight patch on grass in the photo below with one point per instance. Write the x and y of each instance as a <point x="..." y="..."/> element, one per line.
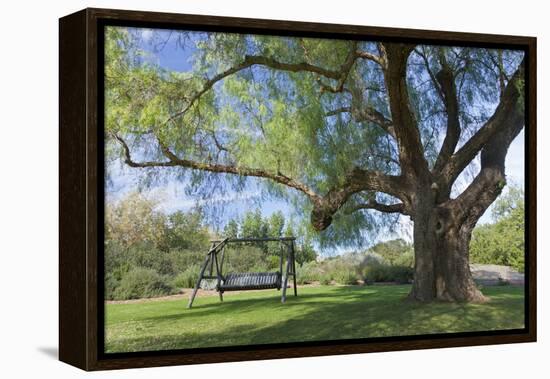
<point x="318" y="313"/>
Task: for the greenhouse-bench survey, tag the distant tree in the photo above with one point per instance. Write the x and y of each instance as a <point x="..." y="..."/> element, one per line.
<point x="392" y="251"/>
<point x="305" y="252"/>
<point x="289" y="229"/>
<point x="231" y="229"/>
<point x="276" y="223"/>
<point x="253" y="225"/>
<point x="508" y="202"/>
<point x="186" y="231"/>
<point x="133" y="220"/>
<point x="503" y="242"/>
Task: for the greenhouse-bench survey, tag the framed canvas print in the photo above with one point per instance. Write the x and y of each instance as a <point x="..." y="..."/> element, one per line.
<point x="238" y="189"/>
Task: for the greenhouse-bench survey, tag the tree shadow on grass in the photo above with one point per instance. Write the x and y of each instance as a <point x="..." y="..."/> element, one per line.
<point x="342" y="313"/>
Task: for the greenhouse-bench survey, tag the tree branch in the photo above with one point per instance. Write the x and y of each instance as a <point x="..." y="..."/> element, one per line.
<point x="411" y="152"/>
<point x="249" y="61"/>
<point x="446" y="80"/>
<point x="366" y="114"/>
<point x="355" y="181"/>
<point x="507" y="110"/>
<point x="344" y="71"/>
<point x="386" y="208"/>
<point x="174" y="161"/>
<point x="488" y="184"/>
<point x="324" y="206"/>
<point x="371" y="57"/>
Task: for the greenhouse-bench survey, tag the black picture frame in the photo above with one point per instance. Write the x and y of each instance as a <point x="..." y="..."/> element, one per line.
<point x="81" y="210"/>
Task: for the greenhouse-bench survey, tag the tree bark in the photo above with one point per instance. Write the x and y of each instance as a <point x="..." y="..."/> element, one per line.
<point x="442" y="270"/>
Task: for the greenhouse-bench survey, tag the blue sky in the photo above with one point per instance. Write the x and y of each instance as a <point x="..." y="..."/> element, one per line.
<point x="172" y="196"/>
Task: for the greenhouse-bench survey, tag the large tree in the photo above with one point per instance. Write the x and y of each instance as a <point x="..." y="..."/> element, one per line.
<point x="348" y="129"/>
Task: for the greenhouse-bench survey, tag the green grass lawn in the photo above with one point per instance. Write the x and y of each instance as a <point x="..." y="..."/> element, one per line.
<point x="318" y="313"/>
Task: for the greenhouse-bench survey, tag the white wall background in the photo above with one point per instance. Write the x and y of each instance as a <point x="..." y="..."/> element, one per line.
<point x="28" y="201"/>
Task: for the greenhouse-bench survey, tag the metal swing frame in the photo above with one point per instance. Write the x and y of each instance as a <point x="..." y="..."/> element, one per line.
<point x="212" y="268"/>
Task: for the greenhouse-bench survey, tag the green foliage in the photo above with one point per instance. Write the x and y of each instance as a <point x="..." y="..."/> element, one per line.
<point x="394" y="252"/>
<point x="187" y="278"/>
<point x="141" y="240"/>
<point x="308" y="273"/>
<point x="134" y="220"/>
<point x="326" y="279"/>
<point x="509" y="202"/>
<point x="244" y="258"/>
<point x="343" y="270"/>
<point x="142" y="282"/>
<point x="345" y="276"/>
<point x="305" y="252"/>
<point x="254" y="225"/>
<point x="181" y="260"/>
<point x="282" y="121"/>
<point x="186" y="231"/>
<point x="111" y="283"/>
<point x="275" y="224"/>
<point x="503" y="242"/>
<point x="231" y="229"/>
<point x="388" y="273"/>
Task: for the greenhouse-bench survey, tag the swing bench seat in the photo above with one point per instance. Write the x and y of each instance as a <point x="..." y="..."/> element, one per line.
<point x="250" y="281"/>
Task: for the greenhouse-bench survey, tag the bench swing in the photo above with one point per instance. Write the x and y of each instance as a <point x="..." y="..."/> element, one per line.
<point x="212" y="269"/>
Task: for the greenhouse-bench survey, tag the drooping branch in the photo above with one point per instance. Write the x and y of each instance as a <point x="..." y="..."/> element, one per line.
<point x="174" y="161"/>
<point x="366" y="114"/>
<point x="431" y="74"/>
<point x="344" y="71"/>
<point x="508" y="110"/>
<point x="324" y="206"/>
<point x="249" y="61"/>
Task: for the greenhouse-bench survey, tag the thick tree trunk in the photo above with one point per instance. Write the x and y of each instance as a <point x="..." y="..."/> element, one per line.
<point x="442" y="270"/>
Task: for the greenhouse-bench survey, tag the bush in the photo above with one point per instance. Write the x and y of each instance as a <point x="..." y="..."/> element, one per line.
<point x="181" y="260"/>
<point x="147" y="256"/>
<point x="308" y="273"/>
<point x="406" y="259"/>
<point x="141" y="282"/>
<point x="245" y="259"/>
<point x="387" y="273"/>
<point x="345" y="276"/>
<point x="188" y="278"/>
<point x="501" y="243"/>
<point x="111" y="284"/>
<point x="326" y="279"/>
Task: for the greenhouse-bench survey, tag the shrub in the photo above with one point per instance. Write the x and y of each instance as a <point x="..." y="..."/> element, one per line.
<point x="111" y="284"/>
<point x="406" y="259"/>
<point x="188" y="278"/>
<point x="501" y="243"/>
<point x="182" y="259"/>
<point x="387" y="273"/>
<point x="345" y="276"/>
<point x="141" y="282"/>
<point x="325" y="279"/>
<point x="308" y="273"/>
<point x="245" y="259"/>
<point x="147" y="256"/>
